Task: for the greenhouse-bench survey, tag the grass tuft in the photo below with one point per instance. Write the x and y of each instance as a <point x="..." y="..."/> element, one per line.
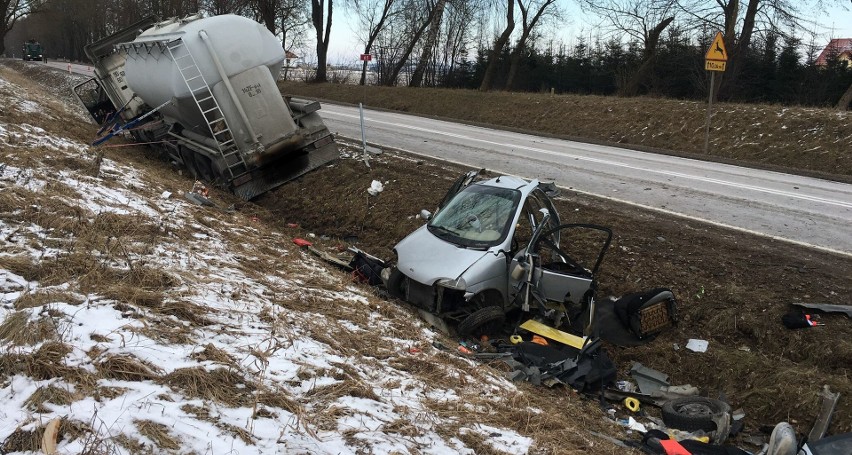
<point x="18" y="330"/>
<point x="49" y="394"/>
<point x="158" y="434"/>
<point x="126" y="367"/>
<point x="221" y="385"/>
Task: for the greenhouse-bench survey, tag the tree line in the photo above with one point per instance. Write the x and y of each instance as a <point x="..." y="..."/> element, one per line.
<point x="638" y="47"/>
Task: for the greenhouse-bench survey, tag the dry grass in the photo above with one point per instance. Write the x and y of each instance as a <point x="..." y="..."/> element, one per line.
<point x="48" y="363"/>
<point x="18" y="330"/>
<point x="350" y="386"/>
<point x="41" y="298"/>
<point x="237" y="432"/>
<point x="30" y="440"/>
<point x="186" y="311"/>
<point x="50" y="394"/>
<point x="213" y="354"/>
<point x="221" y="385"/>
<point x="165" y="330"/>
<point x="126" y="367"/>
<point x="158" y="434"/>
<point x="21" y="265"/>
<point x="133" y="445"/>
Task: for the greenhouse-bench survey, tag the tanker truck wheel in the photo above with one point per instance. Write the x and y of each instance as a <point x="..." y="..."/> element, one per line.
<point x="204" y="168"/>
<point x="188" y="158"/>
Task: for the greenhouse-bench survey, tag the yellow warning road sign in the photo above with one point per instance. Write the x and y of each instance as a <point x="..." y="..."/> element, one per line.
<point x="717" y="51"/>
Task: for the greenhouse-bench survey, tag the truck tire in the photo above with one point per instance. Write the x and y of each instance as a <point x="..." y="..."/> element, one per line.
<point x="694" y="413"/>
<point x="483" y="321"/>
<point x="204" y="168"/>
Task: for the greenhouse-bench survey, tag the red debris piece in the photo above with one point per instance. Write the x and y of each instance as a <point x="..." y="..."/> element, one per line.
<point x="302" y="242"/>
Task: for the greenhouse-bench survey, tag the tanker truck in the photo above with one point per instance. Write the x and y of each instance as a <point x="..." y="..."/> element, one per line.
<point x="203" y="89"/>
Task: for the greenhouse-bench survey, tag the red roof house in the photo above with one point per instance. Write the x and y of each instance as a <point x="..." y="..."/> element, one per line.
<point x="841" y="47"/>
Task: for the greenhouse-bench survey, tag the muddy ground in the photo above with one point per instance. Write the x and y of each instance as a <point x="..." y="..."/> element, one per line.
<point x="732" y="287"/>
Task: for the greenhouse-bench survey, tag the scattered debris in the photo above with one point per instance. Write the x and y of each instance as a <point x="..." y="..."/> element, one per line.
<point x="48" y="439"/>
<point x="829" y="402"/>
<point x="648" y="379"/>
<point x="828" y="308"/>
<point x="647" y="313"/>
<point x="198" y="195"/>
<point x="699" y="413"/>
<point x="375" y="188"/>
<point x="302" y="242"/>
<point x="554" y="334"/>
<point x="696" y="345"/>
<point x="200" y="189"/>
<point x="840" y="444"/>
<point x="799" y="320"/>
<point x="366" y="268"/>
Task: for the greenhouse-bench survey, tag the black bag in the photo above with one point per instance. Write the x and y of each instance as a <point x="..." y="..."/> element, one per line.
<point x="366" y="268"/>
<point x="647" y="313"/>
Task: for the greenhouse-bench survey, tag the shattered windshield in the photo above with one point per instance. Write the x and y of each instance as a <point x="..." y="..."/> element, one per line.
<point x="478" y="217"/>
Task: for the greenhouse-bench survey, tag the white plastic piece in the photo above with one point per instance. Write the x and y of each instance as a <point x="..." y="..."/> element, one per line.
<point x="375" y="188"/>
<point x="696" y="345"/>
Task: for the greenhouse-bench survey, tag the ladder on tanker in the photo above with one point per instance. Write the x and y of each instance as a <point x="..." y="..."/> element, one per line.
<point x="209" y="107"/>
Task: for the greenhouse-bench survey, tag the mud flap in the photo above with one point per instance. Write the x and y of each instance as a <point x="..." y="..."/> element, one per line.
<point x="276" y="174"/>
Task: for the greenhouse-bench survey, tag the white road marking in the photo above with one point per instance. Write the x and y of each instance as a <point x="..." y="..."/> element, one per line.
<point x="839" y="203"/>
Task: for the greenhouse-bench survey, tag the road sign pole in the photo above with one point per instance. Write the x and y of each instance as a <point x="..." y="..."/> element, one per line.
<point x="709" y="110"/>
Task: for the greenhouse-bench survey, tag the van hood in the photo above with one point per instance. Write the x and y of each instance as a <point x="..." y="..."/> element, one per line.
<point x="425" y="258"/>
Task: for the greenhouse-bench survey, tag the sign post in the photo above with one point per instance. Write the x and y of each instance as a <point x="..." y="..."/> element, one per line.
<point x="715" y="60"/>
<point x="364" y="58"/>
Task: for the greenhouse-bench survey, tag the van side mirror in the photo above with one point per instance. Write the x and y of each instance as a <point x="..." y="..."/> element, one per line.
<point x="425" y="214"/>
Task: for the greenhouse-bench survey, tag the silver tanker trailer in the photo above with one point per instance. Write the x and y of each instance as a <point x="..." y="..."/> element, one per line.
<point x="205" y="90"/>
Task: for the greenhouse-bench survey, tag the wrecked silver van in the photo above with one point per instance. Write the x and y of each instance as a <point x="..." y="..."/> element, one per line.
<point x="493" y="248"/>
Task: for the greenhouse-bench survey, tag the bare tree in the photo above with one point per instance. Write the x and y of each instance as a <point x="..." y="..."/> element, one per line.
<point x="497" y="47"/>
<point x="218" y="7"/>
<point x="12" y="11"/>
<point x="321" y="13"/>
<point x="738" y="27"/>
<point x="642" y="20"/>
<point x="455" y="34"/>
<point x="268" y="12"/>
<point x="372" y="16"/>
<point x="428" y="46"/>
<point x="538" y="8"/>
<point x="417" y="19"/>
<point x="459" y="26"/>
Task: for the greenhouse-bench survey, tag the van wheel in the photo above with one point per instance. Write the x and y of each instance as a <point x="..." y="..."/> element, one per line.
<point x="484" y="321"/>
<point x="395" y="284"/>
<point x="694" y="413"/>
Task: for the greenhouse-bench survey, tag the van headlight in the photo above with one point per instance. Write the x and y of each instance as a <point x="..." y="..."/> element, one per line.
<point x="458" y="284"/>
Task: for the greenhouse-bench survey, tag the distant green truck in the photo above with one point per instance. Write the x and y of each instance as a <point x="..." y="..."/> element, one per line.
<point x="33" y="51"/>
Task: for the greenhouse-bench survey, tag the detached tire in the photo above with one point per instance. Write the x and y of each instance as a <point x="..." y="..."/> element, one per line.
<point x="694" y="413"/>
<point x="482" y="321"/>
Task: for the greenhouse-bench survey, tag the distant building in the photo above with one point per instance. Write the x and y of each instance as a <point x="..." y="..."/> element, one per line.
<point x="841" y="47"/>
<point x="291" y="59"/>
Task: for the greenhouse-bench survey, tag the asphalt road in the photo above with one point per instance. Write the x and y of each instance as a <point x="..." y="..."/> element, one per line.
<point x="807" y="211"/>
<point x="811" y="212"/>
<point x="70" y="67"/>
